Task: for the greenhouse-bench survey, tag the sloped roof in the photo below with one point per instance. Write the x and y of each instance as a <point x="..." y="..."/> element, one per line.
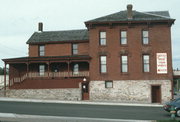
<point x="137" y="16"/>
<point x="82" y="35"/>
<point x="55" y="36"/>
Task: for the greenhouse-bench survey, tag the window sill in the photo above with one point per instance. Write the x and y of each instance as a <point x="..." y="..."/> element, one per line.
<point x="146" y="72"/>
<point x="104" y="74"/>
<point x="124" y="45"/>
<point x="102" y="45"/>
<point x="146" y="45"/>
<point x="109" y="87"/>
<point x="124" y="73"/>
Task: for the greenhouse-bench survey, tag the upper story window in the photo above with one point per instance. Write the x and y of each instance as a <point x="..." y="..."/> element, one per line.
<point x="102" y="38"/>
<point x="145" y="37"/>
<point x="146" y="64"/>
<point x="41" y="50"/>
<point x="124" y="63"/>
<point x="74" y="49"/>
<point x="103" y="64"/>
<point x="123" y="40"/>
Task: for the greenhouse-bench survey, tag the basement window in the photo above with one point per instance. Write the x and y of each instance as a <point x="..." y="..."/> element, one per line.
<point x="108" y="84"/>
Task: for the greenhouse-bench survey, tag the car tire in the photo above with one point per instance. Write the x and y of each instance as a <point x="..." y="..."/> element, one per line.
<point x="178" y="112"/>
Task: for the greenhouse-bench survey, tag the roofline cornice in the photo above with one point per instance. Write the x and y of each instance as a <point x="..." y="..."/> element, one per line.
<point x="58" y="42"/>
<point x="130" y="21"/>
<point x="46" y="58"/>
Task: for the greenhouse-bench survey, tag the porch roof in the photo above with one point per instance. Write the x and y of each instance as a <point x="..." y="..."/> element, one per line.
<point x="47" y="59"/>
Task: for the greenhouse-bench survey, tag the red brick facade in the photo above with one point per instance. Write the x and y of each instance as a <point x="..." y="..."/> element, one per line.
<point x="160" y="42"/>
<point x="62" y="49"/>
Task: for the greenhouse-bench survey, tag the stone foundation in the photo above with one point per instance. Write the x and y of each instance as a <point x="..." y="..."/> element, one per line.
<point x="136" y="91"/>
<point x="51" y="94"/>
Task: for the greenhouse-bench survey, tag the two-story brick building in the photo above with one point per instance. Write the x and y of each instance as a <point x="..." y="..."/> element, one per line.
<point x="125" y="56"/>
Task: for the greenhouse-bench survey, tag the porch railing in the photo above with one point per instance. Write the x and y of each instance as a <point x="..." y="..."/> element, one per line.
<point x="49" y="75"/>
<point x="18" y="79"/>
<point x="58" y="74"/>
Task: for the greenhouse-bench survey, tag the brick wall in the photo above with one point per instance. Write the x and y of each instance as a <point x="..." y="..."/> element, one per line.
<point x="59" y="49"/>
<point x="160" y="42"/>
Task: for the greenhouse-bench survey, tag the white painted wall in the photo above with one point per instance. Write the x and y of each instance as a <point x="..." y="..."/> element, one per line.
<point x="176" y="72"/>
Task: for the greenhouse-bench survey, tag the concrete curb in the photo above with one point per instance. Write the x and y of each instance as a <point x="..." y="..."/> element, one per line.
<point x="36" y="118"/>
<point x="78" y="102"/>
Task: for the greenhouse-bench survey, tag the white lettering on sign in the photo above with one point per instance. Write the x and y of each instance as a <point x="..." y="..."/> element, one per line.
<point x="161" y="63"/>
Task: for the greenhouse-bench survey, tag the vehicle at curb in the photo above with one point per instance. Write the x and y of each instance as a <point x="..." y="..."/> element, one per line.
<point x="175" y="104"/>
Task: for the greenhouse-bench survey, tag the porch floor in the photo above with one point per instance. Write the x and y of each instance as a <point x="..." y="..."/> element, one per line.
<point x="47" y="83"/>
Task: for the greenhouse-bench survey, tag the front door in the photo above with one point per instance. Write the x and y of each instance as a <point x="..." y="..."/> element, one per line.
<point x="156" y="94"/>
<point x="85" y="91"/>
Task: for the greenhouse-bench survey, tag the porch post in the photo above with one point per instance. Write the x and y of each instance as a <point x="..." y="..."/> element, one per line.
<point x="48" y="68"/>
<point x="27" y="69"/>
<point x="5" y="79"/>
<point x="68" y="69"/>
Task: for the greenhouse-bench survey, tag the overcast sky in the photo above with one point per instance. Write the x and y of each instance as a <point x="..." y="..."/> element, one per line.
<point x="19" y="19"/>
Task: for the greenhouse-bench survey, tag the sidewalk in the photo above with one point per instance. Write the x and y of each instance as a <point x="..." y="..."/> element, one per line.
<point x="79" y="102"/>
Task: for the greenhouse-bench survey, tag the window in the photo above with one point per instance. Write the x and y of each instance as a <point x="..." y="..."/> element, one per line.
<point x="41" y="50"/>
<point x="108" y="84"/>
<point x="103" y="64"/>
<point x="124" y="64"/>
<point x="76" y="69"/>
<point x="102" y="36"/>
<point x="123" y="37"/>
<point x="41" y="70"/>
<point x="74" y="49"/>
<point x="145" y="37"/>
<point x="146" y="63"/>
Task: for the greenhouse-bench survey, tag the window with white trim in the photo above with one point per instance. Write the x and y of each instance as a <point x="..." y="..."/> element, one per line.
<point x="74" y="49"/>
<point x="145" y="37"/>
<point x="123" y="40"/>
<point x="124" y="63"/>
<point x="146" y="65"/>
<point x="103" y="66"/>
<point x="41" y="70"/>
<point x="76" y="69"/>
<point x="102" y="38"/>
<point x="41" y="50"/>
<point x="108" y="84"/>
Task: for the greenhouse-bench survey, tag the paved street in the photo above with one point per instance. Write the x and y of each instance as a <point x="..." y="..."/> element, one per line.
<point x="89" y="111"/>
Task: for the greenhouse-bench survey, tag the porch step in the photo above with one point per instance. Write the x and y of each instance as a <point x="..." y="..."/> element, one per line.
<point x="47" y="83"/>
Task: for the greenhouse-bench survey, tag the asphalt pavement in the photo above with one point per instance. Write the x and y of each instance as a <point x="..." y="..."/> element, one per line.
<point x="82" y="110"/>
<point x="79" y="111"/>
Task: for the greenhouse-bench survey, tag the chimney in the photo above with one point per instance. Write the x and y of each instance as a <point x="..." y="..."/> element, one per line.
<point x="40" y="27"/>
<point x="129" y="11"/>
